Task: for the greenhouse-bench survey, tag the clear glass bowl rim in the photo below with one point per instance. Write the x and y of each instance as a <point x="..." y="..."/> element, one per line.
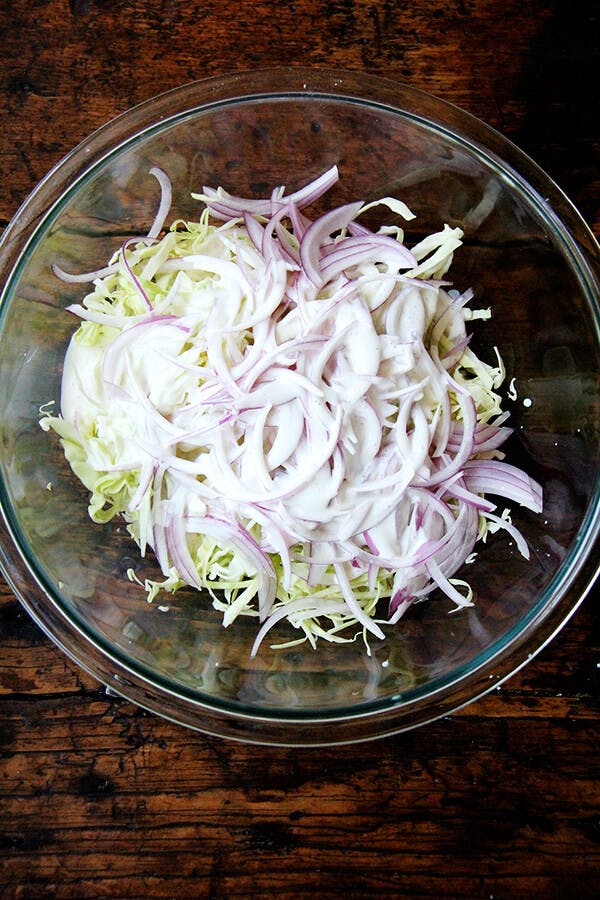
<point x="383" y="718"/>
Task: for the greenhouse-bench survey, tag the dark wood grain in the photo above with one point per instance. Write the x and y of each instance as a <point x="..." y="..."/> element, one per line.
<point x="99" y="799"/>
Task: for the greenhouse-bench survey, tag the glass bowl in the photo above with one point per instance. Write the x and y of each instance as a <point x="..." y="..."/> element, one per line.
<point x="527" y="254"/>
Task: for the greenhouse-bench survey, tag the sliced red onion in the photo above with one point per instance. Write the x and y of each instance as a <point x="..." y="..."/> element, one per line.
<point x="499" y="478"/>
<point x="133" y="277"/>
<point x="147" y="473"/>
<point x="275" y="540"/>
<point x="256" y="231"/>
<point x="353" y="605"/>
<point x="200" y="262"/>
<point x="276" y="242"/>
<point x="242" y="540"/>
<point x="299" y="222"/>
<point x="225" y="206"/>
<point x="443" y="583"/>
<point x="117" y="353"/>
<point x="178" y="550"/>
<point x="370" y="543"/>
<point x="166" y="196"/>
<point x="313" y="191"/>
<point x="465" y="496"/>
<point x="357" y="229"/>
<point x="353" y="251"/>
<point x="320" y="231"/>
<point x="451" y="466"/>
<point x="84" y="277"/>
<point x="513" y="531"/>
<point x="312" y="607"/>
<point x="486" y="438"/>
<point x="400" y="602"/>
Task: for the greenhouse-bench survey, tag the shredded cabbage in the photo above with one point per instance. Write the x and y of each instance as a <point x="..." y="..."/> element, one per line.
<point x="288" y="412"/>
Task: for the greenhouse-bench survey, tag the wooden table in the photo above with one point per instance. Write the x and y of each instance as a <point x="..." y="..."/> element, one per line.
<point x="99" y="799"/>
